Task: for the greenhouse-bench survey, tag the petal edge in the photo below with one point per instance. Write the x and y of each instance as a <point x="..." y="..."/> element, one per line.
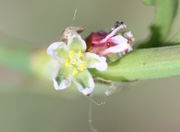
<point x="52" y="49"/>
<point x="85" y="83"/>
<point x="96" y="61"/>
<point x="76" y="43"/>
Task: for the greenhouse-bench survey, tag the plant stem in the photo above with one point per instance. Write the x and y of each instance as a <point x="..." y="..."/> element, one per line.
<point x="138" y="65"/>
<point x="145" y="64"/>
<point x="15" y="59"/>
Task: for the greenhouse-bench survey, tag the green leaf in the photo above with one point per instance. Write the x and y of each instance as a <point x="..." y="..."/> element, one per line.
<point x="176" y="39"/>
<point x="165" y="13"/>
<point x="144" y="64"/>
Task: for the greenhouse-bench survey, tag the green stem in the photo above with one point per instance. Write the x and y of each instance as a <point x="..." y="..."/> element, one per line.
<point x="16" y="59"/>
<point x="138" y="65"/>
<point x="145" y="64"/>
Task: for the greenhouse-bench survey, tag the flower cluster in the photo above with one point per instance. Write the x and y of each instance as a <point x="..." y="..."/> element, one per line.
<point x="74" y="57"/>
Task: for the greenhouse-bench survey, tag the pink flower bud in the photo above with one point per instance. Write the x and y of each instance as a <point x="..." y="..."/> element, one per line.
<point x="114" y="42"/>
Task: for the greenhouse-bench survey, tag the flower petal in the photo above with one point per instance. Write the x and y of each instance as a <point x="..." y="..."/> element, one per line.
<point x="95" y="61"/>
<point x="76" y="43"/>
<point x="61" y="80"/>
<point x="129" y="36"/>
<point x="57" y="50"/>
<point x="111" y="34"/>
<point x="84" y="82"/>
<point x="121" y="45"/>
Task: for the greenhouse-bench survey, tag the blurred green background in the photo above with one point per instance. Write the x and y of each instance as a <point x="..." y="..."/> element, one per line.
<point x="30" y="104"/>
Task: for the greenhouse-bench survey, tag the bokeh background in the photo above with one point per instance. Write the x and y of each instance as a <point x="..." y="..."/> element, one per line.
<point x="30" y="104"/>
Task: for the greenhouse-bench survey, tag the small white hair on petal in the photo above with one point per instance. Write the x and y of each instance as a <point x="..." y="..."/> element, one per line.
<point x="79" y="38"/>
<point x="51" y="50"/>
<point x="101" y="63"/>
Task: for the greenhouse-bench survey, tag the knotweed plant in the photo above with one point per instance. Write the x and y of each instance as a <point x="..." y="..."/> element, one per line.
<point x="75" y="56"/>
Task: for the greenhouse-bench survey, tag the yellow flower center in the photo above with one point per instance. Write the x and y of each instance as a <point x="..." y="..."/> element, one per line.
<point x="82" y="65"/>
<point x="80" y="53"/>
<point x="71" y="54"/>
<point x="67" y="63"/>
<point x="75" y="71"/>
<point x="76" y="61"/>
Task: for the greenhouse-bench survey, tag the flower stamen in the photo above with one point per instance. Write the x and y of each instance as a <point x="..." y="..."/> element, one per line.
<point x="71" y="54"/>
<point x="80" y="53"/>
<point x="67" y="63"/>
<point x="82" y="66"/>
<point x="74" y="72"/>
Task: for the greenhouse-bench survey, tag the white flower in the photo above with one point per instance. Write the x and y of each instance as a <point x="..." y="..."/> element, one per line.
<point x="73" y="63"/>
